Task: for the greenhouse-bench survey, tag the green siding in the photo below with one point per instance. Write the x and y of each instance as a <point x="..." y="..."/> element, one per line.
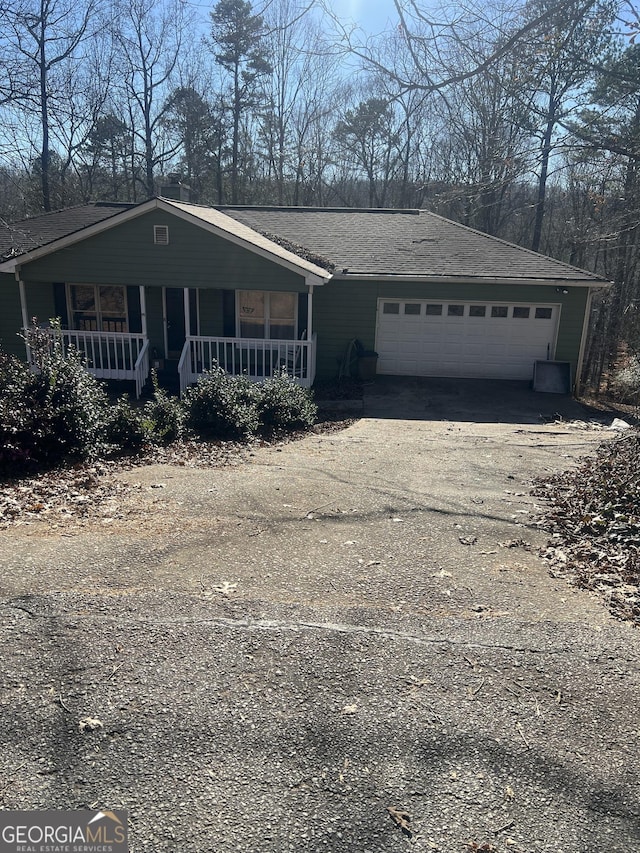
<point x="11" y="316"/>
<point x="126" y="254"/>
<point x="40" y="302"/>
<point x="344" y="310"/>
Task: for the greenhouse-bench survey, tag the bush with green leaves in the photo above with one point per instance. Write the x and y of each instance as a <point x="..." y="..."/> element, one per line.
<point x="164" y="415"/>
<point x="126" y="428"/>
<point x="52" y="412"/>
<point x="283" y="405"/>
<point x="222" y="406"/>
<point x="16" y="422"/>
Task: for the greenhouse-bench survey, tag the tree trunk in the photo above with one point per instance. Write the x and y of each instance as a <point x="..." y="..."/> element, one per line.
<point x="544" y="173"/>
<point x="45" y="155"/>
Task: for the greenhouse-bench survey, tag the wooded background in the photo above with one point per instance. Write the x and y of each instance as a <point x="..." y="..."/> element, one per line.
<point x="521" y="119"/>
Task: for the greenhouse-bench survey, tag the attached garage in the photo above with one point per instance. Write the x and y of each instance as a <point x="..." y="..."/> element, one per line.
<point x="480" y="339"/>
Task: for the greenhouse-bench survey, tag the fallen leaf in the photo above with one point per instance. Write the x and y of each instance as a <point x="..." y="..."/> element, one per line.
<point x="401" y="819"/>
<point x="90" y="723"/>
<point x="225" y="588"/>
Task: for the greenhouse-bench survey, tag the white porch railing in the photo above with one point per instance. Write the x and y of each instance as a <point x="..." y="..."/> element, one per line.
<point x="257" y="358"/>
<point x="109" y="355"/>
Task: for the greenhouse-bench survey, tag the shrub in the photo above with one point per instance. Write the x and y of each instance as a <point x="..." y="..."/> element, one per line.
<point x="126" y="428"/>
<point x="285" y="405"/>
<point x="164" y="416"/>
<point x="16" y="422"/>
<point x="56" y="411"/>
<point x="222" y="406"/>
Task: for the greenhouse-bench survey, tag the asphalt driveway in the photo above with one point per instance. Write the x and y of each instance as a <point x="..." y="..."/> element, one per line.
<point x="280" y="652"/>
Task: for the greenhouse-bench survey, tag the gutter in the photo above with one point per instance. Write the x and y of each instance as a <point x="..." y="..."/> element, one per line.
<point x="350" y="275"/>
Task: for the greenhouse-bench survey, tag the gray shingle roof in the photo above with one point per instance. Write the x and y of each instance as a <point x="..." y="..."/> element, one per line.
<point x="20" y="237"/>
<point x="404" y="242"/>
<point x="362" y="242"/>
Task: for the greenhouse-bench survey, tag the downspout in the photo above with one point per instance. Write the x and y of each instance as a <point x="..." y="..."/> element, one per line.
<point x="23" y="309"/>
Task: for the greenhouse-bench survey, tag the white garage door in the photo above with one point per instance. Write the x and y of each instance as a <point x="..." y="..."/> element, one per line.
<point x="465" y="339"/>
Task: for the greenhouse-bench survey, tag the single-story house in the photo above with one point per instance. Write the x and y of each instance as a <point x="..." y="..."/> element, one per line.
<point x="183" y="286"/>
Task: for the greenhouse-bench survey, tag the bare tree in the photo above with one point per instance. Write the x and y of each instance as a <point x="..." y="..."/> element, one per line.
<point x="151" y="39"/>
<point x="48" y="36"/>
<point x="556" y="70"/>
<point x="437" y="52"/>
<point x="291" y="43"/>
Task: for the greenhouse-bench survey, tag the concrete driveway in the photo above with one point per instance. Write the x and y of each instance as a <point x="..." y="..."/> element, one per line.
<point x="305" y="650"/>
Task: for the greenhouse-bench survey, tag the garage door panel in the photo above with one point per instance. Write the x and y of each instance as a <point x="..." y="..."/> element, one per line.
<point x="504" y="342"/>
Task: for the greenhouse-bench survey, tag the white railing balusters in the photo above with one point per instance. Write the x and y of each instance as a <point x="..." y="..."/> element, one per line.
<point x="109" y="355"/>
<point x="256" y="358"/>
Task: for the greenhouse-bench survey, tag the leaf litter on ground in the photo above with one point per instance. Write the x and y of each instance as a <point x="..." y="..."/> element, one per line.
<point x="90" y="489"/>
<point x="593" y="512"/>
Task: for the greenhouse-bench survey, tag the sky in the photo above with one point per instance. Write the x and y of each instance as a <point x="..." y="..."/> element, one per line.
<point x="371" y="15"/>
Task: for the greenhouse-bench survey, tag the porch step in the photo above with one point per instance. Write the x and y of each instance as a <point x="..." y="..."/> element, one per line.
<point x="168" y="378"/>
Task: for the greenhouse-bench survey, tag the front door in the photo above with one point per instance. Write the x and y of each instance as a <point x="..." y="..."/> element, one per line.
<point x="174" y="320"/>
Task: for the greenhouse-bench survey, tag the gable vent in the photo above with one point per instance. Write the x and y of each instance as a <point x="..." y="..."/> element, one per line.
<point x="161" y="235"/>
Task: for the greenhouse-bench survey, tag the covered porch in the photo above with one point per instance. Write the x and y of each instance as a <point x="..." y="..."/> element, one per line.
<point x="99" y="330"/>
<point x="108" y="355"/>
<point x="122" y="331"/>
<point x="265" y="332"/>
<point x="256" y="358"/>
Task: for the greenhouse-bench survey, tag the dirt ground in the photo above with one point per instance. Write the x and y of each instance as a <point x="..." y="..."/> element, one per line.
<point x="347" y="643"/>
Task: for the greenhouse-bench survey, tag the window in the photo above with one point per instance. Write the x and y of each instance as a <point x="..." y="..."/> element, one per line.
<point x="264" y="314"/>
<point x="391" y="308"/>
<point x="433" y="310"/>
<point x="412" y="308"/>
<point x="98" y="308"/>
<point x="455" y="310"/>
<point x="521" y="313"/>
<point x="543" y="313"/>
<point x="477" y="310"/>
<point x="499" y="311"/>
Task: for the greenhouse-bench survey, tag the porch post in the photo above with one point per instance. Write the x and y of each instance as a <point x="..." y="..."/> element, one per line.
<point x="143" y="311"/>
<point x="310" y="313"/>
<point x="187" y="317"/>
<point x="23" y="303"/>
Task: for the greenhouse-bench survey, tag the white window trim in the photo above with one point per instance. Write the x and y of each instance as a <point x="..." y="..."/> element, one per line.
<point x="96" y="297"/>
<point x="267" y="311"/>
